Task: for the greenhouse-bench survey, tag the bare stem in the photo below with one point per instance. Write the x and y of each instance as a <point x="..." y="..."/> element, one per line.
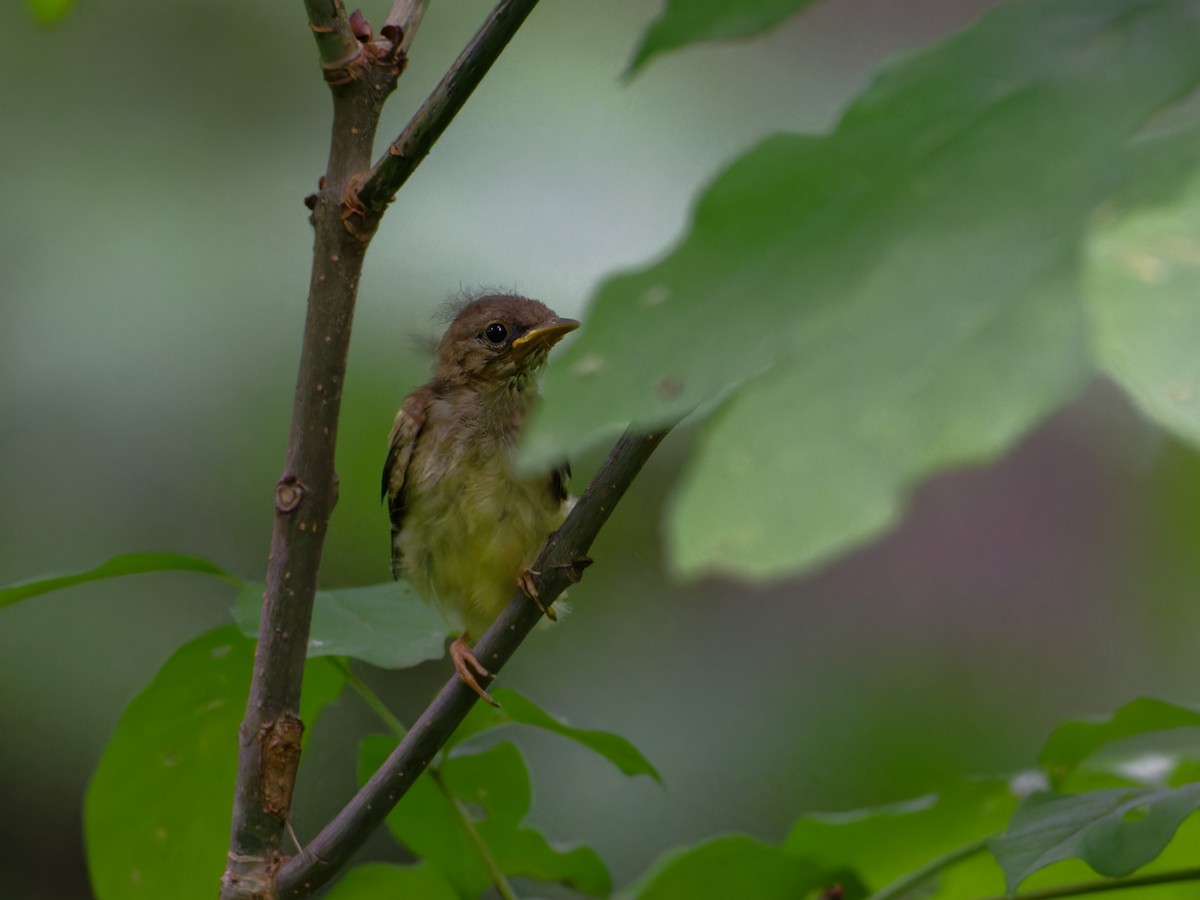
<point x="558" y="564"/>
<point x="1101" y="886"/>
<point x="407" y="151"/>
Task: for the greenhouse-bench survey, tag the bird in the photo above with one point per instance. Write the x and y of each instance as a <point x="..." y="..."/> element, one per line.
<point x="465" y="525"/>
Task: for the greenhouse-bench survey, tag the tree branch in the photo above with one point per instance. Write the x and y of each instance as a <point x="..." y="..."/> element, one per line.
<point x="557" y="565"/>
<point x="412" y="146"/>
<point x="361" y="77"/>
<point x="1103" y="886"/>
<point x="361" y="69"/>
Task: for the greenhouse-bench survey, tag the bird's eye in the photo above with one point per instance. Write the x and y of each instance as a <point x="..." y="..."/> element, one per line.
<point x="495" y="333"/>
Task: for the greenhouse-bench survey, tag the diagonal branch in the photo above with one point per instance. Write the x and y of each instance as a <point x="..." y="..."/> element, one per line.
<point x="557" y="566"/>
<point x="408" y="150"/>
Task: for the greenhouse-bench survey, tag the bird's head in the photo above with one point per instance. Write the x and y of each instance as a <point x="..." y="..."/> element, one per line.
<point x="499" y="338"/>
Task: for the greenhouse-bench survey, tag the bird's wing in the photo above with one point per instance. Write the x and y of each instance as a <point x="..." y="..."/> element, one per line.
<point x="560" y="481"/>
<point x="405" y="431"/>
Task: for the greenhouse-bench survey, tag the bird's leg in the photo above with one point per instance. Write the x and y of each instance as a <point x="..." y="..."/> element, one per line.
<point x="467" y="667"/>
<point x="525" y="582"/>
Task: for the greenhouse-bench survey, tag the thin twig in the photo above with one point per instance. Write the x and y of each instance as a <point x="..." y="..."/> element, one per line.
<point x="902" y="886"/>
<point x="1108" y="884"/>
<point x="482" y="850"/>
<point x="373" y="700"/>
<point x="557" y="565"/>
<point x="407" y="151"/>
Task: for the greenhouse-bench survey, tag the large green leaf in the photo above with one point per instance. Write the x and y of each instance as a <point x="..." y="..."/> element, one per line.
<point x="885" y="845"/>
<point x="377" y="880"/>
<point x="157" y="810"/>
<point x="517" y="709"/>
<point x="1142" y="299"/>
<point x="899" y="296"/>
<point x="685" y="22"/>
<point x="387" y="624"/>
<point x="730" y="866"/>
<point x="1114" y="832"/>
<point x="1073" y="742"/>
<point x="117" y="567"/>
<point x="492" y="790"/>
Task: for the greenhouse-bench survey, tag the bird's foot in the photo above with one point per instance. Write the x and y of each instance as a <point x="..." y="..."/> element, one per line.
<point x="526" y="583"/>
<point x="467" y="667"/>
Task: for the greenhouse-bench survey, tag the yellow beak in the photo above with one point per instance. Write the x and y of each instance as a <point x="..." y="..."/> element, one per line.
<point x="545" y="335"/>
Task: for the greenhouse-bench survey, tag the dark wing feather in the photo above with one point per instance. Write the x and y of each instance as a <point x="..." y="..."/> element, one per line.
<point x="560" y="480"/>
<point x="405" y="431"/>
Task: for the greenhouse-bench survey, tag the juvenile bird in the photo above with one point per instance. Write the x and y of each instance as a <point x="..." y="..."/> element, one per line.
<point x="465" y="526"/>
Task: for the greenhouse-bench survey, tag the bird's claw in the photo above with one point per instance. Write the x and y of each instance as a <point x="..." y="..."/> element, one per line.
<point x="526" y="583"/>
<point x="468" y="666"/>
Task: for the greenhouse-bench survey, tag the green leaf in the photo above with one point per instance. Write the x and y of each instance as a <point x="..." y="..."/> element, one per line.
<point x="729" y="866"/>
<point x="1073" y="742"/>
<point x="387" y="624"/>
<point x="1146" y="322"/>
<point x="516" y="708"/>
<point x="1114" y="832"/>
<point x="375" y="880"/>
<point x="118" y="566"/>
<point x="157" y="810"/>
<point x="899" y="296"/>
<point x="49" y="12"/>
<point x="492" y="789"/>
<point x="685" y="22"/>
<point x="889" y="843"/>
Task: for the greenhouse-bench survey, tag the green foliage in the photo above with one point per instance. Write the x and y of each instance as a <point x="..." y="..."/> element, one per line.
<point x="1141" y="287"/>
<point x="731" y="866"/>
<point x="387" y="625"/>
<point x="885" y="845"/>
<point x="117" y="567"/>
<point x="686" y="22"/>
<point x="157" y="809"/>
<point x="375" y="880"/>
<point x="1114" y="832"/>
<point x="898" y="297"/>
<point x="481" y="798"/>
<point x="1074" y="742"/>
<point x="518" y="709"/>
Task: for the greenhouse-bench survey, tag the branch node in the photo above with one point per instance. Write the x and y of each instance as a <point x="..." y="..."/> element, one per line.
<point x="288" y="494"/>
<point x="348" y="69"/>
<point x="280" y="759"/>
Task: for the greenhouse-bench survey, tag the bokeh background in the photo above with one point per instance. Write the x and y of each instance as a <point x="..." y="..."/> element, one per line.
<point x="153" y="267"/>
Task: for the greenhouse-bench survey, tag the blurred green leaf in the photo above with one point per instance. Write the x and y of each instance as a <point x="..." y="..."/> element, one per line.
<point x="889" y="843"/>
<point x="1114" y="832"/>
<point x="897" y="297"/>
<point x="376" y="880"/>
<point x="492" y="789"/>
<point x="157" y="810"/>
<point x="1141" y="293"/>
<point x="117" y="567"/>
<point x="1073" y="742"/>
<point x="685" y="22"/>
<point x="49" y="12"/>
<point x="518" y="709"/>
<point x="387" y="624"/>
<point x="730" y="866"/>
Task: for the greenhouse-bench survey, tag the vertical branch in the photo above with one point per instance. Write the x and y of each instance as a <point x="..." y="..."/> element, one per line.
<point x="361" y="69"/>
<point x="361" y="75"/>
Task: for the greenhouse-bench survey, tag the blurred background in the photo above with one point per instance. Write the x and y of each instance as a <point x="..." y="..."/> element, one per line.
<point x="154" y="256"/>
